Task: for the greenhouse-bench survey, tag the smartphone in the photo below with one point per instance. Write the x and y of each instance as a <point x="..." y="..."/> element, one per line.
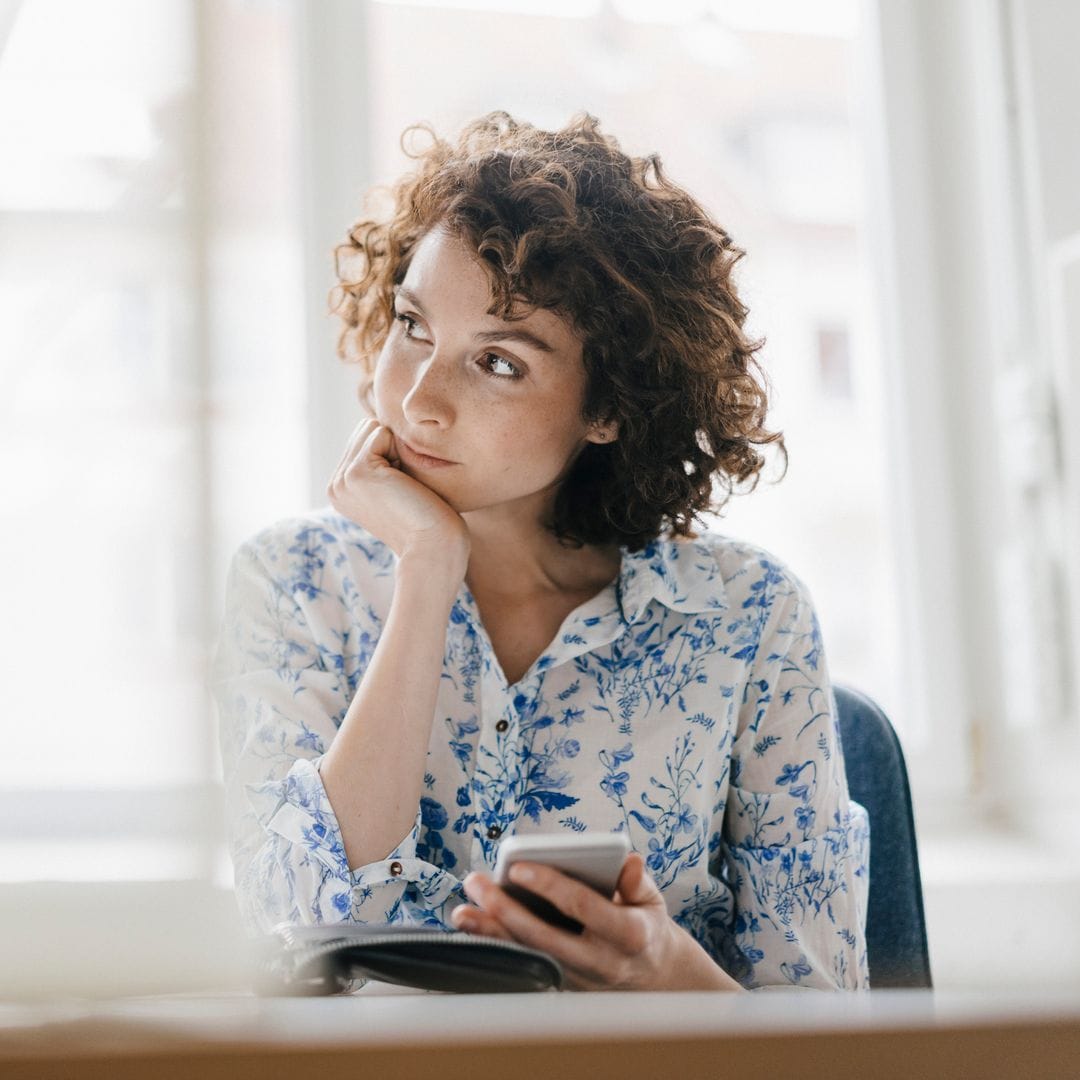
<point x="596" y="859"/>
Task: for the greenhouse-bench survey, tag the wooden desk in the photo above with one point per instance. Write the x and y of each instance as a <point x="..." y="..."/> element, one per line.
<point x="385" y="1032"/>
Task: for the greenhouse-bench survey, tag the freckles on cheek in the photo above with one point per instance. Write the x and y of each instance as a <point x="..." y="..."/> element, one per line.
<point x="505" y="448"/>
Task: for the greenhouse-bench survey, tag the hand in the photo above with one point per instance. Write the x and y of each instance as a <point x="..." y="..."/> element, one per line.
<point x="370" y="488"/>
<point x="628" y="943"/>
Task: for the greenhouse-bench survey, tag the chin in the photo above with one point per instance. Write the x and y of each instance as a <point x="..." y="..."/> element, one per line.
<point x="430" y="480"/>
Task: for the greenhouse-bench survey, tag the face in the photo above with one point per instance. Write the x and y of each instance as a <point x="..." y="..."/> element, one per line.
<point x="500" y="399"/>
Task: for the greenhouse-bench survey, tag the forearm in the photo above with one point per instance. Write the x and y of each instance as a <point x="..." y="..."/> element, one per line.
<point x="695" y="969"/>
<point x="373" y="771"/>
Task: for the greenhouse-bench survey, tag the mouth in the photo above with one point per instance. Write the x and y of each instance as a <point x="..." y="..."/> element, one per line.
<point x="418" y="457"/>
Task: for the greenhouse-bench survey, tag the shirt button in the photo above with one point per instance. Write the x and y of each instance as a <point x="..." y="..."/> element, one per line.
<point x="494" y="832"/>
<point x="502" y="725"/>
<point x="396" y="868"/>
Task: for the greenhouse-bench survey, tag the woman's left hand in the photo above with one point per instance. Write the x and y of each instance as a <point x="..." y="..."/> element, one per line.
<point x="628" y="943"/>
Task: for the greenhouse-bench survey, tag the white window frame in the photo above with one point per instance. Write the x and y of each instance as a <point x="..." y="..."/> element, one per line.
<point x="336" y="170"/>
<point x="968" y="359"/>
<point x="1046" y="162"/>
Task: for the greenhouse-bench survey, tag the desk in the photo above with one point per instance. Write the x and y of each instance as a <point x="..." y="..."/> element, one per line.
<point x="387" y="1032"/>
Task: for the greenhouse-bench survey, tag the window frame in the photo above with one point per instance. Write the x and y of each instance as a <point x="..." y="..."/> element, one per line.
<point x="951" y="201"/>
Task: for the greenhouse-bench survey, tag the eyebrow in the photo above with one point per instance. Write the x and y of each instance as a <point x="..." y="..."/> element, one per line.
<point x="524" y="336"/>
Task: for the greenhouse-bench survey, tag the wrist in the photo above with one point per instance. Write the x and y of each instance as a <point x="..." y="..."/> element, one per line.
<point x="694" y="969"/>
<point x="429" y="574"/>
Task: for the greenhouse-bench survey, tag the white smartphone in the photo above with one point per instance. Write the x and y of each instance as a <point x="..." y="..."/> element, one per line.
<point x="596" y="859"/>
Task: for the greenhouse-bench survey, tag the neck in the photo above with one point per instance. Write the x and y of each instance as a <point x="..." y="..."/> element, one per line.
<point x="513" y="557"/>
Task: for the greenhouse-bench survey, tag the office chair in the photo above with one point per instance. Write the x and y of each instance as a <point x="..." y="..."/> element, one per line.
<point x="877" y="779"/>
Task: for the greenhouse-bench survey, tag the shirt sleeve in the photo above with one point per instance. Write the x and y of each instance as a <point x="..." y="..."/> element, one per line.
<point x="281" y="698"/>
<point x="795" y="846"/>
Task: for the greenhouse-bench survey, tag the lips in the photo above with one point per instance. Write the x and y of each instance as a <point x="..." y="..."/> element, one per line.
<point x="427" y="453"/>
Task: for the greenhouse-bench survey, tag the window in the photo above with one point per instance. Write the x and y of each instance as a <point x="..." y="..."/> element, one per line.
<point x="903" y="179"/>
<point x="151" y="325"/>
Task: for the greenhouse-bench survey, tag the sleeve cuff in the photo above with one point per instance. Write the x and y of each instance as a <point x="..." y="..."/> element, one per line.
<point x="297" y="809"/>
<point x="798" y="889"/>
<point x="427" y="887"/>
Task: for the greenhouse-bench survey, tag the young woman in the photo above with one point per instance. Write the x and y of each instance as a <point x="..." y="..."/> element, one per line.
<point x="503" y="623"/>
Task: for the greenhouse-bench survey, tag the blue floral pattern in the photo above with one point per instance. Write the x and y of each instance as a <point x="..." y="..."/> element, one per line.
<point x="687" y="704"/>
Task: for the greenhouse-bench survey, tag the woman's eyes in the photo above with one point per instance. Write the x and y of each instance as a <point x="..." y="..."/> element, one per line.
<point x="490" y="356"/>
<point x="493" y="358"/>
<point x="408" y="320"/>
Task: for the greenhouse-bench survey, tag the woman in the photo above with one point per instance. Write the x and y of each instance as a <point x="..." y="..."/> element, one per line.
<point x="504" y="622"/>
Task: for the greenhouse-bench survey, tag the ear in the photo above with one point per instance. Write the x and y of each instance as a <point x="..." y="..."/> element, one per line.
<point x="604" y="433"/>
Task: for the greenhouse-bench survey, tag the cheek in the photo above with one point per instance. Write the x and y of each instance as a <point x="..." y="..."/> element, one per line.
<point x="529" y="443"/>
<point x="388" y="377"/>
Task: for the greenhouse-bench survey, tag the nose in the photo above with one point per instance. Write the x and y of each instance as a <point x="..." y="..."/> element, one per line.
<point x="432" y="393"/>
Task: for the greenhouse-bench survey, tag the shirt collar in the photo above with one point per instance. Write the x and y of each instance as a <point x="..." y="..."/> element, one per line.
<point x="682" y="574"/>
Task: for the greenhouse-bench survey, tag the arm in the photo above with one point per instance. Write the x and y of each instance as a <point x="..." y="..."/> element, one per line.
<point x="288" y="706"/>
<point x="374" y="769"/>
<point x="282" y="695"/>
<point x="795" y="846"/>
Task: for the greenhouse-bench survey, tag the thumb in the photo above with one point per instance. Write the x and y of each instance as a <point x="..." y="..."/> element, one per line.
<point x="636" y="886"/>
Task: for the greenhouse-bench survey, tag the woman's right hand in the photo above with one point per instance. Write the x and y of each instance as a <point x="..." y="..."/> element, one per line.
<point x="370" y="488"/>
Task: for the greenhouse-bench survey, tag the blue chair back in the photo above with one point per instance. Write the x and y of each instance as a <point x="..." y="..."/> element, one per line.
<point x="877" y="778"/>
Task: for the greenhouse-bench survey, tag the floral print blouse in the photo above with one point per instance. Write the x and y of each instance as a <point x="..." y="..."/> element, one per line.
<point x="687" y="704"/>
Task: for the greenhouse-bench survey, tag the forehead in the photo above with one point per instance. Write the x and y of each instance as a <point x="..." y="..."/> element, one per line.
<point x="448" y="279"/>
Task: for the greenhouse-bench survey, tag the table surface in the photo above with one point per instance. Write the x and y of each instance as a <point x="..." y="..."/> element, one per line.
<point x="393" y="1028"/>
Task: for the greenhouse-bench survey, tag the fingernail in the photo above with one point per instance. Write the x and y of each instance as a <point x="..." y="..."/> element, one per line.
<point x="521" y="874"/>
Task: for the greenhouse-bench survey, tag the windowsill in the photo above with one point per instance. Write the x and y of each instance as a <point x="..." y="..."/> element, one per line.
<point x="1001" y="908"/>
<point x="1000" y="905"/>
<point x="978" y="854"/>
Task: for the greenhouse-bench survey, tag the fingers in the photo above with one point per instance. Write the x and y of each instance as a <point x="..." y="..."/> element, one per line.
<point x="607" y="927"/>
<point x="636" y="885"/>
<point x="372" y="488"/>
<point x="624" y="944"/>
<point x="356" y="440"/>
<point x="373" y="445"/>
<point x="522" y="925"/>
<point x="360" y="434"/>
<point x="474" y="921"/>
<point x="369" y="439"/>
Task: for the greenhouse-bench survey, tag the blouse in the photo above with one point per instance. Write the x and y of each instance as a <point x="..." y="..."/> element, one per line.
<point x="687" y="704"/>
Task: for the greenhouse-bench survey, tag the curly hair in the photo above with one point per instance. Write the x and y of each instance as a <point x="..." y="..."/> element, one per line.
<point x="566" y="221"/>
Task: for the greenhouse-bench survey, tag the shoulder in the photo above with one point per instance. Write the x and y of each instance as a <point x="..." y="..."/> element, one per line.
<point x="742" y="585"/>
<point x="770" y="609"/>
<point x="315" y="530"/>
<point x="300" y="552"/>
<point x="749" y="569"/>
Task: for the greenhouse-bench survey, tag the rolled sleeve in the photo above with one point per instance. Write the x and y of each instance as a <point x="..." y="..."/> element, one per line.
<point x="795" y="846"/>
<point x="279" y="707"/>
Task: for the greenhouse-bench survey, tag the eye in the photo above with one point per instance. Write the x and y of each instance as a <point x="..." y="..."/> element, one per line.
<point x="495" y="358"/>
<point x="410" y="324"/>
<point x="408" y="321"/>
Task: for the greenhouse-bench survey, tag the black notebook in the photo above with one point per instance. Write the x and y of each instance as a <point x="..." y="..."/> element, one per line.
<point x="336" y="959"/>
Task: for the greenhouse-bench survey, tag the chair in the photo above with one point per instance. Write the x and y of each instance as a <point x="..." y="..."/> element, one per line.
<point x="877" y="779"/>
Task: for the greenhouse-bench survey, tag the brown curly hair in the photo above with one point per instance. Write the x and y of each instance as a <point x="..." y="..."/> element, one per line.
<point x="564" y="220"/>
